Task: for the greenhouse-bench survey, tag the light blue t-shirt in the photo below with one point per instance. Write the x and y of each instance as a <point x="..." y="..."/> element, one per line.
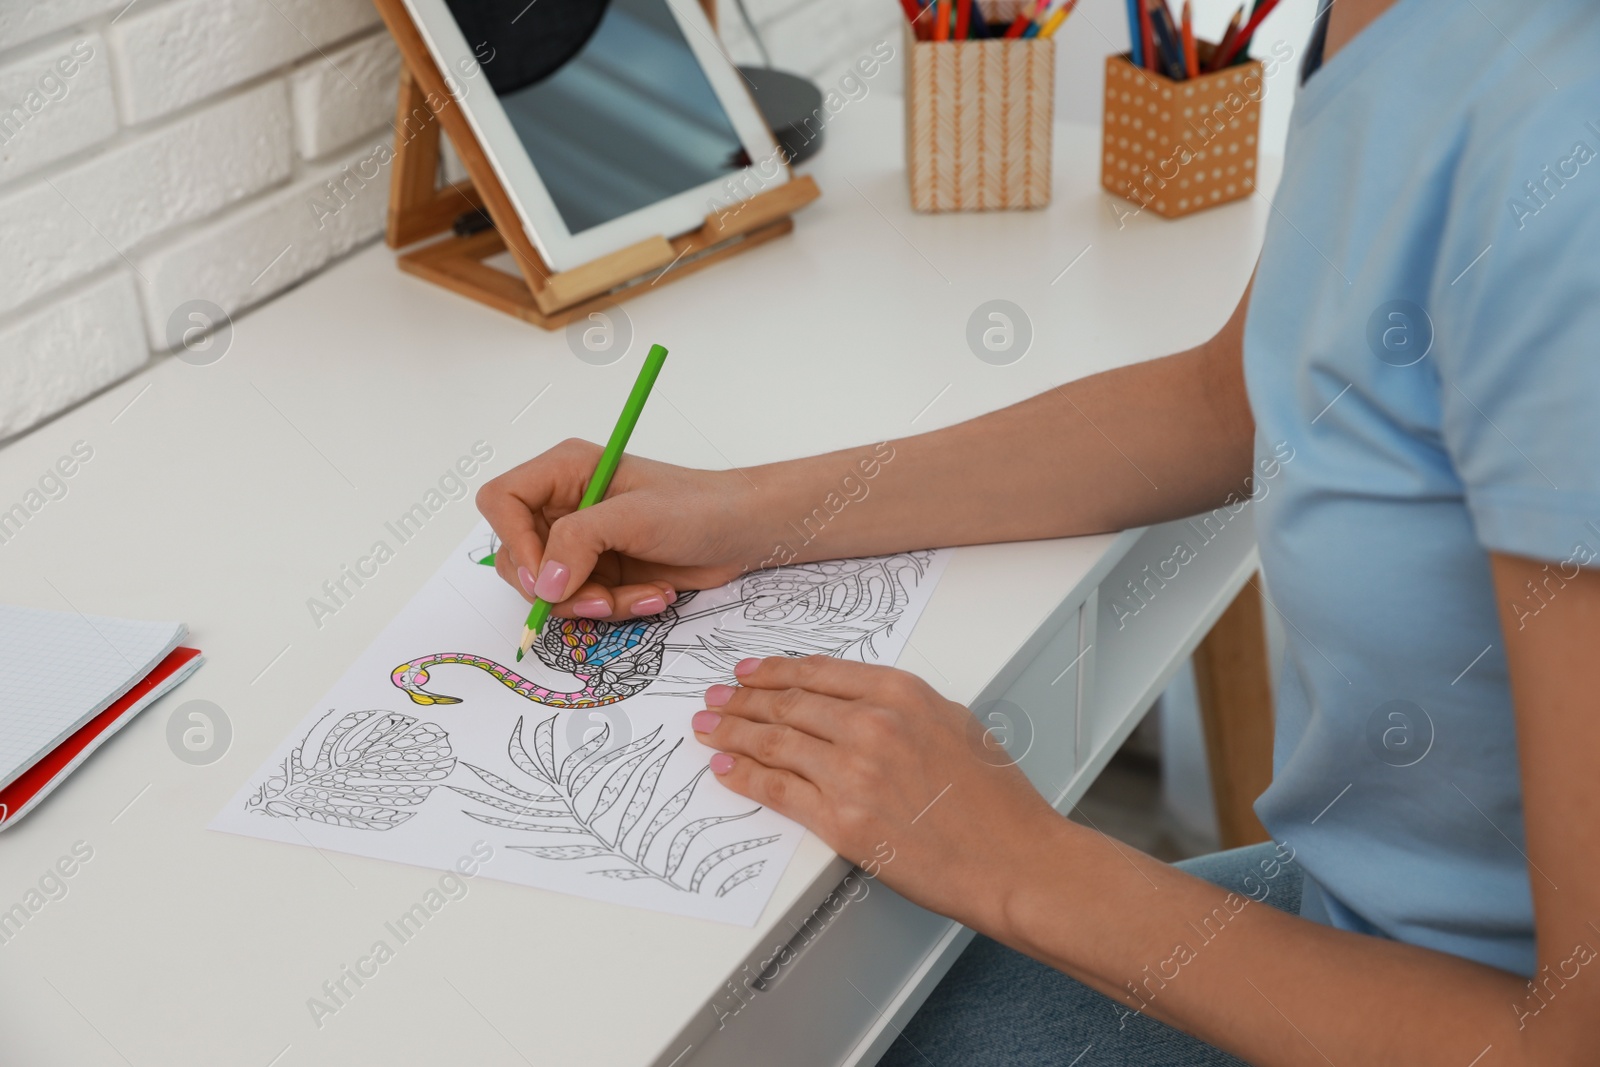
<point x="1424" y="333"/>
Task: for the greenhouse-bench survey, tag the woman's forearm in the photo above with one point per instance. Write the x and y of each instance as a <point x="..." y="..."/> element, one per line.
<point x="1128" y="447"/>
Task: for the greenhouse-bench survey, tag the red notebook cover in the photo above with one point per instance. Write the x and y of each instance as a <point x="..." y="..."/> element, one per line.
<point x="42" y="776"/>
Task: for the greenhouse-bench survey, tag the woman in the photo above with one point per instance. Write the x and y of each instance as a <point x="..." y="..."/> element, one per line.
<point x="1422" y="334"/>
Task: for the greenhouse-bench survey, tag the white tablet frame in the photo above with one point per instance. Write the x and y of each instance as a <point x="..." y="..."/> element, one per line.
<point x="678" y="214"/>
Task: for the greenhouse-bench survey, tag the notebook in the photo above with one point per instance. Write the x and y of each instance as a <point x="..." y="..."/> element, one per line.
<point x="71" y="681"/>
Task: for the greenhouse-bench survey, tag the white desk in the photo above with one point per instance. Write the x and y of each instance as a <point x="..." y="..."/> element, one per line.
<point x="226" y="495"/>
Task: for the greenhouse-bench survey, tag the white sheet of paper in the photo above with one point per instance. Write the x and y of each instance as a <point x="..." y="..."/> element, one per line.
<point x="612" y="801"/>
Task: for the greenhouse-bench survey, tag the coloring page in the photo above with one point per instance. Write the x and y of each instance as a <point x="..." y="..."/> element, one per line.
<point x="578" y="765"/>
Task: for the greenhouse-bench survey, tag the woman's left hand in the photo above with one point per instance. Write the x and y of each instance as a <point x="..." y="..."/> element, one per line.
<point x="890" y="774"/>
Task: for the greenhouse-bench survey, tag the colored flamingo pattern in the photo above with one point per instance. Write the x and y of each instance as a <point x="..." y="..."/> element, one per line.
<point x="832" y="608"/>
<point x="612" y="660"/>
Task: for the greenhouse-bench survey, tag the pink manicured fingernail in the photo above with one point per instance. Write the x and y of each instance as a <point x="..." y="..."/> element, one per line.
<point x="745" y="667"/>
<point x="671" y="595"/>
<point x="650" y="605"/>
<point x="525" y="576"/>
<point x="705" y="721"/>
<point x="592" y="608"/>
<point x="718" y="695"/>
<point x="552" y="583"/>
<point x="721" y="763"/>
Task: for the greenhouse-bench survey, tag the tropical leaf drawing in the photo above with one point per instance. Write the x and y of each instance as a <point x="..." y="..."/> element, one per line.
<point x="606" y="796"/>
<point x="723" y="855"/>
<point x="363" y="770"/>
<point x="834" y="608"/>
<point x="740" y="877"/>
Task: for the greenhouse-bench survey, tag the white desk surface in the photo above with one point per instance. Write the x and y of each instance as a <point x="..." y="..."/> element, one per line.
<point x="225" y="495"/>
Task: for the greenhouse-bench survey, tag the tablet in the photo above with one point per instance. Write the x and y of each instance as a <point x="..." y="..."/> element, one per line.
<point x="606" y="121"/>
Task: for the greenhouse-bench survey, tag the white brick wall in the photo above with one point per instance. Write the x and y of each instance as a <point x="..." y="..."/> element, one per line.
<point x="22" y="21"/>
<point x="174" y="53"/>
<point x="56" y="356"/>
<point x="162" y="151"/>
<point x="84" y="216"/>
<point x="251" y="254"/>
<point x="348" y="95"/>
<point x="56" y="101"/>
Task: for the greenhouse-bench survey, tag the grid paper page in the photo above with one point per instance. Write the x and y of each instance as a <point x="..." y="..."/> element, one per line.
<point x="59" y="669"/>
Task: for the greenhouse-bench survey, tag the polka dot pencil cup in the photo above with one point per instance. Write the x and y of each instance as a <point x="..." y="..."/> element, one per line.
<point x="1177" y="147"/>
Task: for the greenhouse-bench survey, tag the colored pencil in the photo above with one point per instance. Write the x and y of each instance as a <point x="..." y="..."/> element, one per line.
<point x="980" y="25"/>
<point x="1191" y="58"/>
<point x="1147" y="37"/>
<point x="1168" y="42"/>
<point x="1019" y="26"/>
<point x="1135" y="35"/>
<point x="1242" y="41"/>
<point x="1227" y="40"/>
<point x="1058" y="18"/>
<point x="600" y="481"/>
<point x="963" y="17"/>
<point x="1036" y="20"/>
<point x="914" y="14"/>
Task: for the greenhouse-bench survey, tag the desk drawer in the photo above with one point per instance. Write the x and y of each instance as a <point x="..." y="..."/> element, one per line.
<point x="875" y="954"/>
<point x="1037" y="716"/>
<point x="1148" y="615"/>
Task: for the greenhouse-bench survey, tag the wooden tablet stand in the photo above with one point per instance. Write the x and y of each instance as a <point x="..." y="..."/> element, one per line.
<point x="419" y="209"/>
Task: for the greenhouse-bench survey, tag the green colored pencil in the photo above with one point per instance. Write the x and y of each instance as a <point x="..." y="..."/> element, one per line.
<point x="603" y="471"/>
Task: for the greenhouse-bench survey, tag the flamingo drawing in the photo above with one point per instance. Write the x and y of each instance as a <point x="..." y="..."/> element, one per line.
<point x="836" y="608"/>
<point x="612" y="660"/>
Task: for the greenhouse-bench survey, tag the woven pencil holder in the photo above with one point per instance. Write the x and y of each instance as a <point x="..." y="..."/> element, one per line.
<point x="978" y="119"/>
<point x="1177" y="147"/>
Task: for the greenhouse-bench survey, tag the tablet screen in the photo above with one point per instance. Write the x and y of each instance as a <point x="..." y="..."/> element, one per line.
<point x="627" y="120"/>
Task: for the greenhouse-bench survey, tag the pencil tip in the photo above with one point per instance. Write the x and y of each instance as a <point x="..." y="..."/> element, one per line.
<point x="519" y="655"/>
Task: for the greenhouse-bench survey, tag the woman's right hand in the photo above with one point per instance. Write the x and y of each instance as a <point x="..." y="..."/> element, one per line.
<point x="660" y="529"/>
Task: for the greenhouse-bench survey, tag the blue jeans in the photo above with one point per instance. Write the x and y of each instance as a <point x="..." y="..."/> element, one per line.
<point x="999" y="1008"/>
